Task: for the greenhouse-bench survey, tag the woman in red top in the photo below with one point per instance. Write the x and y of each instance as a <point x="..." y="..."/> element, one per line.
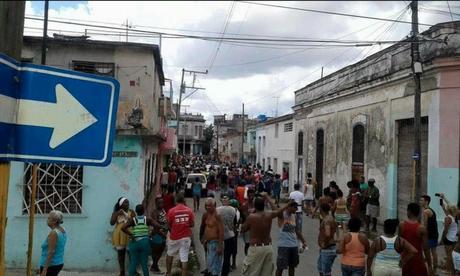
<point x="416" y="234"/>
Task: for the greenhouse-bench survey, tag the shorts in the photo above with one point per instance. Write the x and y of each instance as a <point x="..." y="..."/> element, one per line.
<point x="298" y="221"/>
<point x="373" y="211"/>
<point x="157" y="239"/>
<point x="197" y="194"/>
<point x="353" y="270"/>
<point x="285" y="183"/>
<point x="326" y="260"/>
<point x="342" y="218"/>
<point x="432" y="243"/>
<point x="287" y="257"/>
<point x="456" y="260"/>
<point x="213" y="260"/>
<point x="259" y="261"/>
<point x="309" y="202"/>
<point x="180" y="246"/>
<point x="53" y="270"/>
<point x="448" y="242"/>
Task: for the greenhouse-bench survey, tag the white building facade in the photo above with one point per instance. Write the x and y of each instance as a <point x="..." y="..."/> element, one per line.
<point x="275" y="146"/>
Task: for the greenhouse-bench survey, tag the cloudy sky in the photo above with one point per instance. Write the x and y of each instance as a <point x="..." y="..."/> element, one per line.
<point x="262" y="76"/>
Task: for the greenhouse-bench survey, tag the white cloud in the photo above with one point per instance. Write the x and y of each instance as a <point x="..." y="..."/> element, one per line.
<point x="268" y="72"/>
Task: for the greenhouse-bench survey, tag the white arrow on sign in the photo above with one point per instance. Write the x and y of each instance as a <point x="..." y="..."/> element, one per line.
<point x="67" y="116"/>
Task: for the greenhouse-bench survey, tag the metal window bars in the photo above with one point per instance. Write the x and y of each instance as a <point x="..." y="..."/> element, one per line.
<point x="59" y="187"/>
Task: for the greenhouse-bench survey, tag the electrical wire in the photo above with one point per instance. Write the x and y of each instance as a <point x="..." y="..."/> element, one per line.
<point x="232" y="39"/>
<point x="450" y="11"/>
<point x="227" y="21"/>
<point x="332" y="13"/>
<point x="398" y="14"/>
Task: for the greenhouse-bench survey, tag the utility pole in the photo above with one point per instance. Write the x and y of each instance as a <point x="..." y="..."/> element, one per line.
<point x="217" y="142"/>
<point x="45" y="33"/>
<point x="276" y="110"/>
<point x="242" y="137"/>
<point x="185" y="131"/>
<point x="417" y="72"/>
<point x="182" y="90"/>
<point x="35" y="166"/>
<point x="322" y="67"/>
<point x="11" y="36"/>
<point x="127" y="27"/>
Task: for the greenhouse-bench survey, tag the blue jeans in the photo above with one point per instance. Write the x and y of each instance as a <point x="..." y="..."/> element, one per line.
<point x="326" y="260"/>
<point x="139" y="252"/>
<point x="298" y="221"/>
<point x="349" y="270"/>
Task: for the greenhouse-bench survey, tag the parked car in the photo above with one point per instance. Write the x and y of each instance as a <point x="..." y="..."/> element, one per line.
<point x="191" y="179"/>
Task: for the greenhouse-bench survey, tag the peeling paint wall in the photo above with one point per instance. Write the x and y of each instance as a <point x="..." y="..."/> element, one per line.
<point x="89" y="245"/>
<point x="377" y="110"/>
<point x="134" y="69"/>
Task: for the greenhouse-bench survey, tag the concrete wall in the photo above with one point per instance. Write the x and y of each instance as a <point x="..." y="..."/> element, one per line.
<point x="132" y="64"/>
<point x="376" y="92"/>
<point x="89" y="245"/>
<point x="378" y="109"/>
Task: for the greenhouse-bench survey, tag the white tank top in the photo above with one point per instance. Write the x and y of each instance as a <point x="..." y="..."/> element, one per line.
<point x="452" y="231"/>
<point x="388" y="257"/>
<point x="309" y="194"/>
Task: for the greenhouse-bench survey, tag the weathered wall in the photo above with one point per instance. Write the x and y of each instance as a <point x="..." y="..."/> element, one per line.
<point x="131" y="64"/>
<point x="377" y="109"/>
<point x="89" y="245"/>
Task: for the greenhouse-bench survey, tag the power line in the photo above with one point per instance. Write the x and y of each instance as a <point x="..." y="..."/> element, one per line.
<point x="227" y="21"/>
<point x="230" y="39"/>
<point x="451" y="17"/>
<point x="330" y="61"/>
<point x="332" y="13"/>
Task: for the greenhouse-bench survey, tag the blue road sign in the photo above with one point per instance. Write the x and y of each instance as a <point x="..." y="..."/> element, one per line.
<point x="50" y="115"/>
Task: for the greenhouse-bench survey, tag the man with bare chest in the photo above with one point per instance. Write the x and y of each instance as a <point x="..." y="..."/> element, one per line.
<point x="259" y="261"/>
<point x="247" y="208"/>
<point x="326" y="242"/>
<point x="213" y="238"/>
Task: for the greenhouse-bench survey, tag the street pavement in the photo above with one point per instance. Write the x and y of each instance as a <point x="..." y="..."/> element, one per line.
<point x="308" y="259"/>
<point x="307" y="264"/>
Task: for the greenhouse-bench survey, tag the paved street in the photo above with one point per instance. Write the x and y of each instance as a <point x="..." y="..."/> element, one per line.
<point x="308" y="260"/>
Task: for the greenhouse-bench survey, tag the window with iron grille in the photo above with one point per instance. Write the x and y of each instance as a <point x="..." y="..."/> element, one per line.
<point x="288" y="127"/>
<point x="59" y="187"/>
<point x="98" y="68"/>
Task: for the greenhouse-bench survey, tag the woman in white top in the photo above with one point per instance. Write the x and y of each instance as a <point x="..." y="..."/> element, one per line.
<point x="309" y="198"/>
<point x="449" y="235"/>
<point x="384" y="257"/>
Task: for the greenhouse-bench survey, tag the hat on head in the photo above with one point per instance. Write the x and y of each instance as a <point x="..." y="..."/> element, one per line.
<point x="371" y="180"/>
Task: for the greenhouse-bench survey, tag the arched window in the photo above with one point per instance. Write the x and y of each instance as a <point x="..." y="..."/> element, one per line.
<point x="357" y="157"/>
<point x="358" y="144"/>
<point x="300" y="143"/>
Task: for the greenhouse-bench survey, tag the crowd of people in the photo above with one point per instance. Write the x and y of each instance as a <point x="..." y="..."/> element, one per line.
<point x="241" y="203"/>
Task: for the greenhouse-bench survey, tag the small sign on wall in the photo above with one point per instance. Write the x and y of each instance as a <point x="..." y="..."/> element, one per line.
<point x="125" y="154"/>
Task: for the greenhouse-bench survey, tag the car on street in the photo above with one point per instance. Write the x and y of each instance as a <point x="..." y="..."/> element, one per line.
<point x="191" y="179"/>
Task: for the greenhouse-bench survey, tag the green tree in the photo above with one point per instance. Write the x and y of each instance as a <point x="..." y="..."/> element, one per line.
<point x="208" y="133"/>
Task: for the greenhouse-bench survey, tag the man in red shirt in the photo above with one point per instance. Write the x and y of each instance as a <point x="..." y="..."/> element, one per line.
<point x="180" y="220"/>
<point x="172" y="178"/>
<point x="168" y="199"/>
